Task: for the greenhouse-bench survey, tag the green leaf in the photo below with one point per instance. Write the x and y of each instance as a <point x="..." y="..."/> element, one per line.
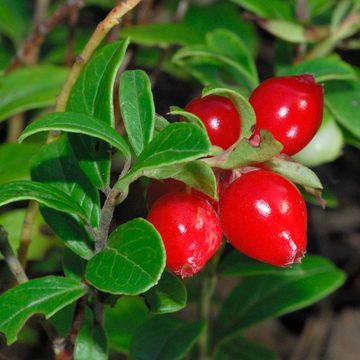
<point x="245" y="154"/>
<point x="187" y="116"/>
<point x="41" y="239"/>
<point x="14" y="19"/>
<point x="74" y="266"/>
<point x="91" y="343"/>
<point x="195" y="174"/>
<point x="276" y="9"/>
<point x="56" y="164"/>
<point x="77" y="123"/>
<point x="285" y="30"/>
<point x="237" y="264"/>
<point x="122" y="320"/>
<point x="246" y="111"/>
<point x="137" y="108"/>
<point x="45" y="295"/>
<point x="295" y="172"/>
<point x="324" y="69"/>
<point x="132" y="261"/>
<point x="176" y="144"/>
<point x="169" y="295"/>
<point x="15" y="161"/>
<point x="45" y="194"/>
<point x="268" y="296"/>
<point x="30" y="88"/>
<point x="241" y="348"/>
<point x="160" y="122"/>
<point x="92" y="95"/>
<point x="343" y="100"/>
<point x="164" y="338"/>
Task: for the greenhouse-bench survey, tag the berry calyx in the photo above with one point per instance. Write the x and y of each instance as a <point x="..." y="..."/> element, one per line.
<point x="220" y="117"/>
<point x="263" y="215"/>
<point x="291" y="108"/>
<point x="190" y="229"/>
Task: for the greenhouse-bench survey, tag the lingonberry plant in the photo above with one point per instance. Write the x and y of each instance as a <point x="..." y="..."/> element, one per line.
<point x="215" y="188"/>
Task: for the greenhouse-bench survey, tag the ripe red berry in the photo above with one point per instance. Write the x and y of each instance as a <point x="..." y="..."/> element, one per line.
<point x="264" y="216"/>
<point x="291" y="108"/>
<point x="190" y="229"/>
<point x="220" y="117"/>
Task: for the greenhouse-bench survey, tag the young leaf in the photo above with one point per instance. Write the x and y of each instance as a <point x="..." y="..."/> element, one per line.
<point x="13" y="155"/>
<point x="164" y="338"/>
<point x="343" y="100"/>
<point x="241" y="348"/>
<point x="285" y="30"/>
<point x="169" y="295"/>
<point x="195" y="174"/>
<point x="122" y="320"/>
<point x="91" y="343"/>
<point x="137" y="108"/>
<point x="77" y="123"/>
<point x="92" y="95"/>
<point x="246" y="111"/>
<point x="132" y="262"/>
<point x="245" y="154"/>
<point x="45" y="194"/>
<point x="324" y="69"/>
<point x="295" y="172"/>
<point x="45" y="295"/>
<point x="30" y="88"/>
<point x="176" y="144"/>
<point x="56" y="164"/>
<point x="268" y="296"/>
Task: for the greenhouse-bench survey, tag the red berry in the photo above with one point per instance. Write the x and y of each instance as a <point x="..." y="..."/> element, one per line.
<point x="220" y="117"/>
<point x="264" y="216"/>
<point x="291" y="108"/>
<point x="190" y="229"/>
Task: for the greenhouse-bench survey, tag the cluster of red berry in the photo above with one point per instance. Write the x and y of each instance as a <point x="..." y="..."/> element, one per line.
<point x="262" y="214"/>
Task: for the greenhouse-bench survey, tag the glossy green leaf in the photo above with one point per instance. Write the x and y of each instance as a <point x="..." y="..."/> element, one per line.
<point x="237" y="264"/>
<point x="41" y="238"/>
<point x="195" y="174"/>
<point x="122" y="320"/>
<point x="343" y="100"/>
<point x="296" y="172"/>
<point x="176" y="144"/>
<point x="56" y="164"/>
<point x="132" y="261"/>
<point x="324" y="69"/>
<point x="241" y="348"/>
<point x="276" y="9"/>
<point x="285" y="30"/>
<point x="169" y="295"/>
<point x="245" y="154"/>
<point x="268" y="296"/>
<point x="15" y="18"/>
<point x="30" y="88"/>
<point x="45" y="295"/>
<point x="186" y="116"/>
<point x="137" y="108"/>
<point x="246" y="111"/>
<point x="80" y="124"/>
<point x="74" y="266"/>
<point x="45" y="194"/>
<point x="92" y="95"/>
<point x="91" y="342"/>
<point x="164" y="338"/>
<point x="15" y="161"/>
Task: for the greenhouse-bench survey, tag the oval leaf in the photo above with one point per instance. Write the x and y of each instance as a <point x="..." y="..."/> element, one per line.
<point x="30" y="88"/>
<point x="169" y="295"/>
<point x="131" y="263"/>
<point x="45" y="194"/>
<point x="273" y="295"/>
<point x="45" y="295"/>
<point x="77" y="123"/>
<point x="137" y="108"/>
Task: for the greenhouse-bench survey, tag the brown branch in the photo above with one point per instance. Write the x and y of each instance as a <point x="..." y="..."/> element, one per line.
<point x="40" y="31"/>
<point x="72" y="21"/>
